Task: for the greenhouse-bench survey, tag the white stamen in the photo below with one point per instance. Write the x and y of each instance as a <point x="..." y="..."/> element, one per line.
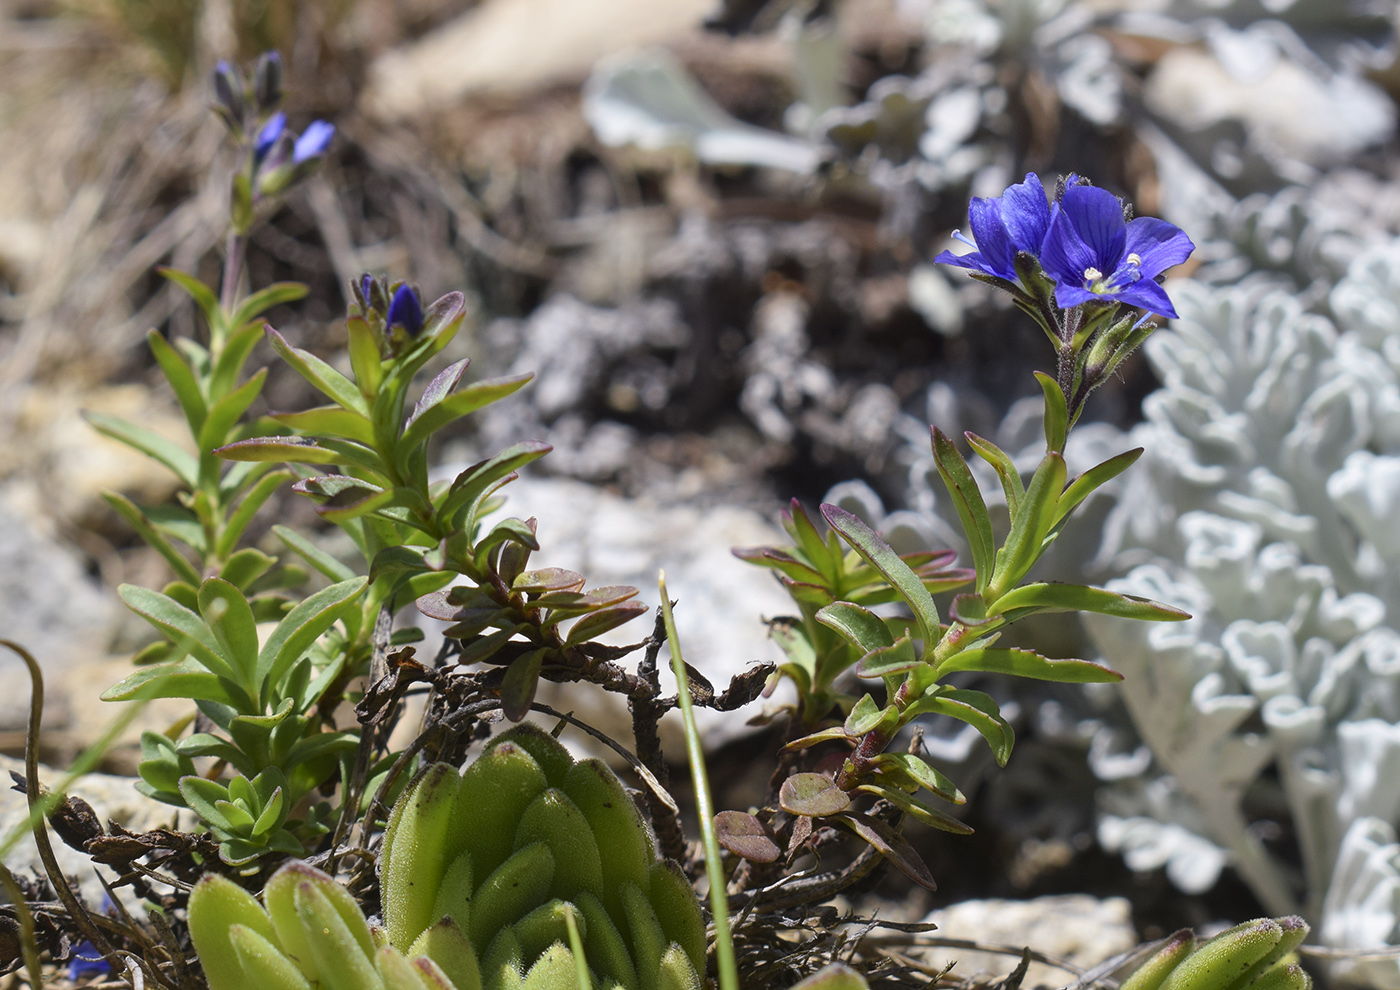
<point x="1134" y="259"/>
<point x="1092" y="274"/>
<point x="959" y="236"/>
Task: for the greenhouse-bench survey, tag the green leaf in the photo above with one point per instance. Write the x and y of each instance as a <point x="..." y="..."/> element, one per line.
<point x="882" y="557"/>
<point x="184" y="464"/>
<point x="594" y="624"/>
<point x="229" y="618"/>
<point x="977" y="709"/>
<point x="512" y="530"/>
<point x="182" y="380"/>
<point x="398" y="560"/>
<point x="226" y="412"/>
<point x="203" y="296"/>
<point x="334" y="420"/>
<point x="1025" y="543"/>
<point x="1027" y="663"/>
<point x="247" y="508"/>
<point x="313" y="554"/>
<point x="1084" y="485"/>
<point x="799" y="526"/>
<point x="518" y="686"/>
<point x="183" y="679"/>
<point x="785" y="563"/>
<point x="240" y="343"/>
<point x="916" y="772"/>
<point x="548" y="579"/>
<point x="301" y="627"/>
<point x="916" y="809"/>
<point x="469" y="486"/>
<point x="365" y="360"/>
<point x="859" y="625"/>
<point x="812" y="794"/>
<point x="792" y="639"/>
<point x="1005" y="468"/>
<point x="326" y="379"/>
<point x="245" y="567"/>
<point x="1056" y="413"/>
<point x="867" y="716"/>
<point x="264" y="299"/>
<point x="297" y="450"/>
<point x="203" y="797"/>
<point x="967" y="499"/>
<point x="817" y="738"/>
<point x="180" y="625"/>
<point x="425" y="421"/>
<point x="133" y="515"/>
<point x="1052" y="597"/>
<point x="746" y="837"/>
<point x="897" y="658"/>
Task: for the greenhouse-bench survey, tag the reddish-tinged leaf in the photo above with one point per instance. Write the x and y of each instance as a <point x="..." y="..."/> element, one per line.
<point x="889" y="842"/>
<point x="746" y="837"/>
<point x="594" y="624"/>
<point x="519" y="684"/>
<point x="813" y="794"/>
<point x="548" y="579"/>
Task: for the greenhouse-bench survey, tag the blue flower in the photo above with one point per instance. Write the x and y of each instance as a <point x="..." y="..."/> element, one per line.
<point x="269" y="134"/>
<point x="405" y="311"/>
<point x="1094" y="255"/>
<point x="313" y="142"/>
<point x="87" y="962"/>
<point x="1014" y="222"/>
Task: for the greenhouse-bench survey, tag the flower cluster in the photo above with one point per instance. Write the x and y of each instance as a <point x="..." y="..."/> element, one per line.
<point x="277" y="158"/>
<point x="1071" y="263"/>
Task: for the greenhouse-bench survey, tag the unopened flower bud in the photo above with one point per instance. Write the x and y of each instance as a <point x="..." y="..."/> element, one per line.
<point x="267" y="82"/>
<point x="405" y="311"/>
<point x="228" y="96"/>
<point x="313" y="142"/>
<point x="268" y="135"/>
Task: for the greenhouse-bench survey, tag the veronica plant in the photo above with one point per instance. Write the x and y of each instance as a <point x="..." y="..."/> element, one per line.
<point x="1072" y="265"/>
<point x="258" y="698"/>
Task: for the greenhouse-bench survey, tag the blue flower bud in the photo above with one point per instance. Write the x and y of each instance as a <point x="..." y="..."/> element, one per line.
<point x="228" y="96"/>
<point x="313" y="142"/>
<point x="405" y="311"/>
<point x="268" y="136"/>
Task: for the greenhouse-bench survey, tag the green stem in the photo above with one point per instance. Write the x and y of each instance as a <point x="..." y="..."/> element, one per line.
<point x="704" y="806"/>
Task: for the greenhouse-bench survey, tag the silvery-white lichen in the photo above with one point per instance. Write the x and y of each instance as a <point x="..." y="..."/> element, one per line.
<point x="1268" y="505"/>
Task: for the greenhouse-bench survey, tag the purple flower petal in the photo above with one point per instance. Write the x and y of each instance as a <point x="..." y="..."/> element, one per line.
<point x="1064" y="255"/>
<point x="1025" y="211"/>
<point x="1097" y="216"/>
<point x="1067" y="295"/>
<point x="269" y="134"/>
<point x="405" y="311"/>
<point x="1148" y="295"/>
<point x="984" y="216"/>
<point x="1158" y="245"/>
<point x="313" y="141"/>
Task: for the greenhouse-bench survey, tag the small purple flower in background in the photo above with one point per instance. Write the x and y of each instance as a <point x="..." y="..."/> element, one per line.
<point x="405" y="311"/>
<point x="313" y="142"/>
<point x="1094" y="255"/>
<point x="87" y="961"/>
<point x="1014" y="222"/>
<point x="269" y="134"/>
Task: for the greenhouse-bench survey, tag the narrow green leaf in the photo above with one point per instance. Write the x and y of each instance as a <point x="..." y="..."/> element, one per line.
<point x="247" y="508"/>
<point x="180" y="625"/>
<point x="867" y="716"/>
<point x="133" y="515"/>
<point x="225" y="413"/>
<point x="469" y="486"/>
<point x="365" y="359"/>
<point x="203" y="796"/>
<point x="897" y="658"/>
<point x="1027" y="663"/>
<point x="1084" y="485"/>
<point x="333" y="420"/>
<point x="1056" y="413"/>
<point x="859" y="625"/>
<point x="780" y="561"/>
<point x="817" y="738"/>
<point x="882" y="557"/>
<point x="915" y="771"/>
<point x="182" y="380"/>
<point x="301" y="627"/>
<point x="226" y="611"/>
<point x="594" y="624"/>
<point x="264" y="299"/>
<point x="916" y="809"/>
<point x="184" y="464"/>
<point x="237" y="347"/>
<point x="1005" y="468"/>
<point x="202" y="295"/>
<point x="1050" y="597"/>
<point x="183" y="679"/>
<point x="967" y="499"/>
<point x="297" y="450"/>
<point x="313" y="554"/>
<point x="809" y="541"/>
<point x="425" y="421"/>
<point x="326" y="379"/>
<point x="891" y="844"/>
<point x="977" y="709"/>
<point x="1025" y="543"/>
